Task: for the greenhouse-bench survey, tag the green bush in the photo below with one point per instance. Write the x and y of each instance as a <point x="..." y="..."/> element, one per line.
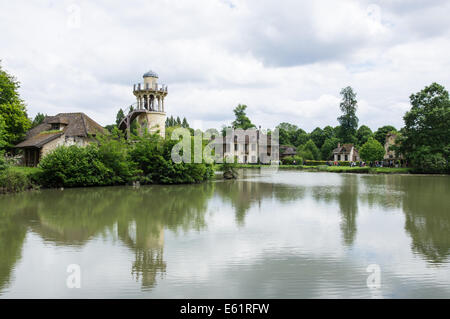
<point x="289" y="160"/>
<point x="3" y="163"/>
<point x="75" y="166"/>
<point x="14" y="181"/>
<point x="425" y="162"/>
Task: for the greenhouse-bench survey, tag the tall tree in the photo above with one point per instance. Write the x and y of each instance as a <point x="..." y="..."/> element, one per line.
<point x="348" y="120"/>
<point x="318" y="137"/>
<point x="426" y="135"/>
<point x="241" y="121"/>
<point x="120" y="116"/>
<point x="327" y="148"/>
<point x="309" y="151"/>
<point x="363" y="134"/>
<point x="380" y="134"/>
<point x="38" y="119"/>
<point x="185" y="123"/>
<point x="12" y="109"/>
<point x="286" y="133"/>
<point x="372" y="151"/>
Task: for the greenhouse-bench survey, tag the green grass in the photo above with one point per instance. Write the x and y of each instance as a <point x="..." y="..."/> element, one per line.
<point x="26" y="170"/>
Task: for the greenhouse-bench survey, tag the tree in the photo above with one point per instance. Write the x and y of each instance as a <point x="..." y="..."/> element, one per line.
<point x="327" y="148"/>
<point x="178" y="121"/>
<point x="120" y="116"/>
<point x="348" y="121"/>
<point x="317" y="136"/>
<point x="241" y="121"/>
<point x="372" y="151"/>
<point x="12" y="109"/>
<point x="426" y="136"/>
<point x="380" y="134"/>
<point x="309" y="151"/>
<point x="363" y="134"/>
<point x="38" y="119"/>
<point x="286" y="133"/>
<point x="300" y="137"/>
<point x="328" y="132"/>
<point x="185" y="123"/>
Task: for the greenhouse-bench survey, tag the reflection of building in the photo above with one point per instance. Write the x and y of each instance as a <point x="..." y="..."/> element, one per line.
<point x="62" y="129"/>
<point x="150" y="111"/>
<point x="346" y="152"/>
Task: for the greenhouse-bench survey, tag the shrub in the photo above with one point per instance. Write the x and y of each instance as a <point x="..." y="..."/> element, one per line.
<point x="14" y="181"/>
<point x="425" y="162"/>
<point x="3" y="163"/>
<point x="289" y="160"/>
<point x="75" y="166"/>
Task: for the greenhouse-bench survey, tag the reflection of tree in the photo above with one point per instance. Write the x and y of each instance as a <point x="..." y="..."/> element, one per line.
<point x="243" y="194"/>
<point x="74" y="216"/>
<point x="426" y="206"/>
<point x="346" y="194"/>
<point x="13" y="227"/>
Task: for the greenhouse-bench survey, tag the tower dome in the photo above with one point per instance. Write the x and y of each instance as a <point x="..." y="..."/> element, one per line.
<point x="150" y="74"/>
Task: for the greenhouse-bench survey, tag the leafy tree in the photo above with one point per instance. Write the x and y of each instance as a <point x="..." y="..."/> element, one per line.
<point x="327" y="148"/>
<point x="372" y="151"/>
<point x="300" y="137"/>
<point x="348" y="121"/>
<point x="12" y="110"/>
<point x="363" y="134"/>
<point x="38" y="119"/>
<point x="318" y="137"/>
<point x="426" y="136"/>
<point x="286" y="133"/>
<point x="3" y="141"/>
<point x="241" y="121"/>
<point x="185" y="123"/>
<point x="328" y="132"/>
<point x="380" y="134"/>
<point x="120" y="116"/>
<point x="309" y="151"/>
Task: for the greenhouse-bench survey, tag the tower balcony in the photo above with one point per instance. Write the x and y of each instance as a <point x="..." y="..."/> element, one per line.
<point x="146" y="87"/>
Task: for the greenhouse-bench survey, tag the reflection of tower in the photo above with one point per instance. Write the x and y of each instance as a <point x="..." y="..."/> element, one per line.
<point x="150" y="111"/>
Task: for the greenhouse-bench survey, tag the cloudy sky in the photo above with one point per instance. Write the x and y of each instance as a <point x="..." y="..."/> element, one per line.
<point x="287" y="60"/>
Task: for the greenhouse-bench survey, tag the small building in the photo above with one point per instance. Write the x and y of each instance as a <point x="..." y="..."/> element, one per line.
<point x="61" y="129"/>
<point x="391" y="157"/>
<point x="286" y="150"/>
<point x="346" y="152"/>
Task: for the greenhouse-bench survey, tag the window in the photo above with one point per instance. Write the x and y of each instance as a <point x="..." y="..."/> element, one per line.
<point x="346" y="157"/>
<point x="253" y="147"/>
<point x="253" y="158"/>
<point x="55" y="126"/>
<point x="339" y="157"/>
<point x="236" y="147"/>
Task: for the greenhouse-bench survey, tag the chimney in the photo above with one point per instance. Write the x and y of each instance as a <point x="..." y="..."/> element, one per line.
<point x="339" y="144"/>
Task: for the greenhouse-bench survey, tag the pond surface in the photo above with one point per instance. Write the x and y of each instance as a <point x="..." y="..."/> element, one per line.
<point x="287" y="234"/>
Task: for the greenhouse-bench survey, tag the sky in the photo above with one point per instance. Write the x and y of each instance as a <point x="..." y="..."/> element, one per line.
<point x="286" y="60"/>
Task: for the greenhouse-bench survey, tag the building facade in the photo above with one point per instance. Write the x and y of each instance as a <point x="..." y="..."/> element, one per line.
<point x="62" y="129"/>
<point x="346" y="152"/>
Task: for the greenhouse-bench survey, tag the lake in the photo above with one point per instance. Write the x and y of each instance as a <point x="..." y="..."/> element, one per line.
<point x="285" y="234"/>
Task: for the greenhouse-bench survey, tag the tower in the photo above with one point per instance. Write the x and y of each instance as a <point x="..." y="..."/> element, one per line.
<point x="150" y="112"/>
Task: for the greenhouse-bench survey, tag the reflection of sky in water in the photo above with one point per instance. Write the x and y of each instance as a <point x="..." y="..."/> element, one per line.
<point x="285" y="235"/>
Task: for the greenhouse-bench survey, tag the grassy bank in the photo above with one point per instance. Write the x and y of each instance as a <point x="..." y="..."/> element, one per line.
<point x="17" y="179"/>
<point x="338" y="169"/>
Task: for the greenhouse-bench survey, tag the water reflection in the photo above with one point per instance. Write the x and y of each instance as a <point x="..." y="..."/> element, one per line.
<point x="141" y="219"/>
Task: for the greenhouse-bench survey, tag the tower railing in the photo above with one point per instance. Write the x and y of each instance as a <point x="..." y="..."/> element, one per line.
<point x="146" y="87"/>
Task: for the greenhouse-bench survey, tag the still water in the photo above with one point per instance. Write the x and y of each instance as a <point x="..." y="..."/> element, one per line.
<point x="266" y="235"/>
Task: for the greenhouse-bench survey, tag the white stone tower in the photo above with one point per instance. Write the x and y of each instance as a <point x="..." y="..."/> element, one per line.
<point x="150" y="112"/>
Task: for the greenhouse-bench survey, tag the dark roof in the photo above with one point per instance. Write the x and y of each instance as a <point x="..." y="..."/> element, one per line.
<point x="150" y="74"/>
<point x="287" y="150"/>
<point x="76" y="124"/>
<point x="345" y="149"/>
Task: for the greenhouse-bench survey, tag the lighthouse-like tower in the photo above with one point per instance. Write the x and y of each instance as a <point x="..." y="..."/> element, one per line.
<point x="150" y="112"/>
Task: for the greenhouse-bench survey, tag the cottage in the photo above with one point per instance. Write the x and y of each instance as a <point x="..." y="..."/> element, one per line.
<point x="346" y="152"/>
<point x="61" y="129"/>
<point x="286" y="150"/>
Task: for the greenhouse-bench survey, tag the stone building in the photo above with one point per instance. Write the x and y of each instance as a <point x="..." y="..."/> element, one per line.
<point x="150" y="111"/>
<point x="390" y="157"/>
<point x="61" y="129"/>
<point x="346" y="152"/>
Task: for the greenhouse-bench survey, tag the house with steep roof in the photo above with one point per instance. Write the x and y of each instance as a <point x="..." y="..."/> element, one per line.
<point x="61" y="129"/>
<point x="346" y="152"/>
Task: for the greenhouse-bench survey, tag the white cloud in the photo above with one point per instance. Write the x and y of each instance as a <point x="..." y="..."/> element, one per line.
<point x="287" y="60"/>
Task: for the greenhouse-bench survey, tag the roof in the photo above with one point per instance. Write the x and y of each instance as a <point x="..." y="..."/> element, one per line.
<point x="288" y="150"/>
<point x="344" y="149"/>
<point x="150" y="74"/>
<point x="76" y="124"/>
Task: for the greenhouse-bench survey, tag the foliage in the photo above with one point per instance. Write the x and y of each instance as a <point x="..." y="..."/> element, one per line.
<point x="380" y="134"/>
<point x="14" y="181"/>
<point x="12" y="110"/>
<point x="38" y="119"/>
<point x="363" y="134"/>
<point x="318" y="137"/>
<point x="425" y="138"/>
<point x="120" y="116"/>
<point x="241" y="121"/>
<point x="3" y="141"/>
<point x="348" y="121"/>
<point x="3" y="163"/>
<point x="293" y="160"/>
<point x="372" y="151"/>
<point x="309" y="151"/>
<point x="327" y="148"/>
